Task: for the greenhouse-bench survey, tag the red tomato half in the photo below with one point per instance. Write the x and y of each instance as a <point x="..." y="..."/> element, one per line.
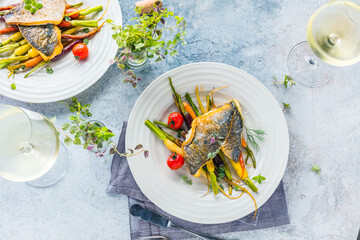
<point x="80" y="51"/>
<point x="175" y="161"/>
<point x="175" y="120"/>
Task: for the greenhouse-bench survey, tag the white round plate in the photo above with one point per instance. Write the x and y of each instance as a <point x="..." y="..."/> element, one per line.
<point x="70" y="76"/>
<point x="165" y="187"/>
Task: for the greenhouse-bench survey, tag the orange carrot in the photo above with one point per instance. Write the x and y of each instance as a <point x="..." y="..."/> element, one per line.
<point x="32" y="62"/>
<point x="189" y="110"/>
<point x="243" y="143"/>
<point x="8" y="30"/>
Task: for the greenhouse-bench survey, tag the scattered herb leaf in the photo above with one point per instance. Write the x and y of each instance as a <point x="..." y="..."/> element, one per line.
<point x="315" y="168"/>
<point x="49" y="70"/>
<point x="187" y="180"/>
<point x="13" y="86"/>
<point x="259" y="178"/>
<point x="286" y="106"/>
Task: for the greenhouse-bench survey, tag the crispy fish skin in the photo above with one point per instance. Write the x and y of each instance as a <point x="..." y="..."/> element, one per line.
<point x="214" y="125"/>
<point x="231" y="147"/>
<point x="52" y="12"/>
<point x="46" y="39"/>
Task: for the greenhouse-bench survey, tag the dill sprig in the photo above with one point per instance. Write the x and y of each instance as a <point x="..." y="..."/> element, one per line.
<point x="253" y="135"/>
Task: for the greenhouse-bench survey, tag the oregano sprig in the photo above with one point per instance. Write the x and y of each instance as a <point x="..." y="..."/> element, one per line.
<point x="91" y="135"/>
<point x="147" y="36"/>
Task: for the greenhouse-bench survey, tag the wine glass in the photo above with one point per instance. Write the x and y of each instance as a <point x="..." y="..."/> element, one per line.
<point x="333" y="39"/>
<point x="30" y="147"/>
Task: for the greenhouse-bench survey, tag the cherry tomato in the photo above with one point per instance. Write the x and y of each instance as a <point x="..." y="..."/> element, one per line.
<point x="80" y="51"/>
<point x="175" y="120"/>
<point x="175" y="161"/>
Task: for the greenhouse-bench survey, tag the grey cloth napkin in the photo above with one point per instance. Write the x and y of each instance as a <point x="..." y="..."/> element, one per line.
<point x="273" y="213"/>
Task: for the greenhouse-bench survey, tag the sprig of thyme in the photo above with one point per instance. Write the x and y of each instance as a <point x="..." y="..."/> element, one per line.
<point x="91" y="135"/>
<point x="252" y="135"/>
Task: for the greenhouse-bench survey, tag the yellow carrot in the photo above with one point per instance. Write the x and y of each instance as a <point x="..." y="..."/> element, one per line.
<point x="199" y="100"/>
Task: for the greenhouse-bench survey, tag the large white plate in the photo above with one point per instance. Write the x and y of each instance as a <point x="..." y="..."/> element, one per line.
<point x="70" y="76"/>
<point x="165" y="187"/>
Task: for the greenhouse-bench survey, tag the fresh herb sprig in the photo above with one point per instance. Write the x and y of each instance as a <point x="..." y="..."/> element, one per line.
<point x="32" y="6"/>
<point x="288" y="81"/>
<point x="259" y="178"/>
<point x="253" y="135"/>
<point x="147" y="36"/>
<point x="286" y="106"/>
<point x="90" y="134"/>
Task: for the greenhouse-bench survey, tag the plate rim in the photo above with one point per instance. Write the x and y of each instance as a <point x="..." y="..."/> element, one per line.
<point x="223" y="66"/>
<point x="8" y="94"/>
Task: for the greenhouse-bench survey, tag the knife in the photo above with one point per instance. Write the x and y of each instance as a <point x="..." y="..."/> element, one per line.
<point x="152" y="217"/>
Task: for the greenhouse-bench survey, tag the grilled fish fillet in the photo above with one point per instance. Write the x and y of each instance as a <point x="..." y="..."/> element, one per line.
<point x="46" y="39"/>
<point x="52" y="12"/>
<point x="219" y="128"/>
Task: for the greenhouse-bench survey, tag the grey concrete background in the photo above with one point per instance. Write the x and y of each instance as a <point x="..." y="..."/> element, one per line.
<point x="256" y="37"/>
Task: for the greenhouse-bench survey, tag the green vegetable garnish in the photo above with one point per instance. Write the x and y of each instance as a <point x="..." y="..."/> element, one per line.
<point x="259" y="178"/>
<point x="315" y="168"/>
<point x="49" y="70"/>
<point x="13" y="86"/>
<point x="187" y="180"/>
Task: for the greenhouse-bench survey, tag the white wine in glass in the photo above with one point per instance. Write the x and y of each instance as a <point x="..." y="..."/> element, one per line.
<point x="333" y="35"/>
<point x="29" y="147"/>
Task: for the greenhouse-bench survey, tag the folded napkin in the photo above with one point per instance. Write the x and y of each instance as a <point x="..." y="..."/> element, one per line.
<point x="273" y="213"/>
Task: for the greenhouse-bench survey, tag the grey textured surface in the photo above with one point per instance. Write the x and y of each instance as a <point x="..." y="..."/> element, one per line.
<point x="252" y="35"/>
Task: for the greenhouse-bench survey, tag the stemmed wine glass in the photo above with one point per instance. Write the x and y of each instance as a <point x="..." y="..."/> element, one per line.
<point x="30" y="149"/>
<point x="333" y="39"/>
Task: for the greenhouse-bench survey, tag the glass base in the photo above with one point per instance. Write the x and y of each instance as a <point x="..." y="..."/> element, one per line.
<point x="306" y="68"/>
<point x="137" y="60"/>
<point x="56" y="173"/>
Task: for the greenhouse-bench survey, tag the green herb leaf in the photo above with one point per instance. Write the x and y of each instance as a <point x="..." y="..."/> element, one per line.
<point x="27" y="7"/>
<point x="65" y="126"/>
<point x="259" y="178"/>
<point x="86" y="30"/>
<point x="77" y="141"/>
<point x="173" y="53"/>
<point x="86" y="41"/>
<point x="187" y="180"/>
<point x="286" y="106"/>
<point x="68" y="141"/>
<point x="49" y="70"/>
<point x="13" y="86"/>
<point x="315" y="168"/>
